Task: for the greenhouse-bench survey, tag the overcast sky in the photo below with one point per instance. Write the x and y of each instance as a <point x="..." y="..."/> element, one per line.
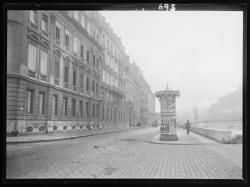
<point x="197" y="53"/>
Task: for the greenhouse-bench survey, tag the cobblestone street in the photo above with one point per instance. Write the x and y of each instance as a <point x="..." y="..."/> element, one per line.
<point x="126" y="154"/>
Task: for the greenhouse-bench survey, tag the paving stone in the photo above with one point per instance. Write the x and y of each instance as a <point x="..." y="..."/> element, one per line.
<point x="128" y="154"/>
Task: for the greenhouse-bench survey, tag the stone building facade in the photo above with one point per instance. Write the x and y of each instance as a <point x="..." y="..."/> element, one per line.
<point x="67" y="70"/>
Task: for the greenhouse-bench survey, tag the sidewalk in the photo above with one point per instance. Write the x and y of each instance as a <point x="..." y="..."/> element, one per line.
<point x="64" y="135"/>
<point x="185" y="139"/>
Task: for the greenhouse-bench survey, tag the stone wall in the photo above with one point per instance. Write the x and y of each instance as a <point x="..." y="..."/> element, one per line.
<point x="224" y="136"/>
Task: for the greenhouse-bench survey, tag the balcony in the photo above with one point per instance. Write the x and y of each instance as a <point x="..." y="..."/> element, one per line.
<point x="66" y="84"/>
<point x="88" y="92"/>
<point x="33" y="26"/>
<point x="56" y="81"/>
<point x="82" y="60"/>
<point x="58" y="42"/>
<point x="82" y="90"/>
<point x="66" y="47"/>
<point x="43" y="77"/>
<point x="75" y="88"/>
<point x="117" y="91"/>
<point x="45" y="33"/>
<point x="74" y="54"/>
<point x="31" y="73"/>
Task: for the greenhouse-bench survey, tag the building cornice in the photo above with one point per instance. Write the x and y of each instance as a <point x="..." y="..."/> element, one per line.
<point x="78" y="26"/>
<point x="51" y="86"/>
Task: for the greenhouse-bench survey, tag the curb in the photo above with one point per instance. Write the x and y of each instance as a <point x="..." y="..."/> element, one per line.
<point x="66" y="138"/>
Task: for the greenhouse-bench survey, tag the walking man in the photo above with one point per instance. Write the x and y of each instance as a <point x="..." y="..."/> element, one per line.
<point x="187" y="126"/>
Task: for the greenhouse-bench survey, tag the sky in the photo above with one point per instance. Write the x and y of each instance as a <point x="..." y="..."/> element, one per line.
<point x="198" y="53"/>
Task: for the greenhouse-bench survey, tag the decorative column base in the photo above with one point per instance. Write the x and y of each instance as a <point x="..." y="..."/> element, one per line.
<point x="168" y="137"/>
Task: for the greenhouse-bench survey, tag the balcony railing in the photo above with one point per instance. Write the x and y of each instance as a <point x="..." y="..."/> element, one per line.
<point x="31" y="73"/>
<point x="74" y="87"/>
<point x="74" y="54"/>
<point x="88" y="92"/>
<point x="66" y="84"/>
<point x="82" y="90"/>
<point x="66" y="47"/>
<point x="43" y="77"/>
<point x="58" y="42"/>
<point x="45" y="33"/>
<point x="33" y="26"/>
<point x="56" y="81"/>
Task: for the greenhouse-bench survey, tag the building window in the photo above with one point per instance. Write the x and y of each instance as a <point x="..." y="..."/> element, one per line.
<point x="75" y="14"/>
<point x="65" y="106"/>
<point x="107" y="113"/>
<point x="93" y="60"/>
<point x="55" y="101"/>
<point x="66" y="74"/>
<point x="93" y="110"/>
<point x="111" y="112"/>
<point x="97" y="62"/>
<point x="75" y="44"/>
<point x="45" y="22"/>
<point x="41" y="103"/>
<point x="93" y="86"/>
<point x="32" y="55"/>
<point x="82" y="51"/>
<point x="43" y="62"/>
<point x="29" y="101"/>
<point x="73" y="107"/>
<point x="87" y="84"/>
<point x="80" y="108"/>
<point x="81" y="80"/>
<point x="83" y="21"/>
<point x="103" y="112"/>
<point x="87" y="109"/>
<point x="57" y="70"/>
<point x="87" y="55"/>
<point x="74" y="77"/>
<point x="103" y="76"/>
<point x="67" y="38"/>
<point x="88" y="27"/>
<point x="97" y="110"/>
<point x="96" y="88"/>
<point x="58" y="31"/>
<point x="33" y="16"/>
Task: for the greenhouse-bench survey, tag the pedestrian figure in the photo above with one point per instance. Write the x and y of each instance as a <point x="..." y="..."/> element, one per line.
<point x="187" y="126"/>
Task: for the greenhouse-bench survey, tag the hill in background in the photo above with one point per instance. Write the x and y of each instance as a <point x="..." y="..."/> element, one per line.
<point x="228" y="107"/>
